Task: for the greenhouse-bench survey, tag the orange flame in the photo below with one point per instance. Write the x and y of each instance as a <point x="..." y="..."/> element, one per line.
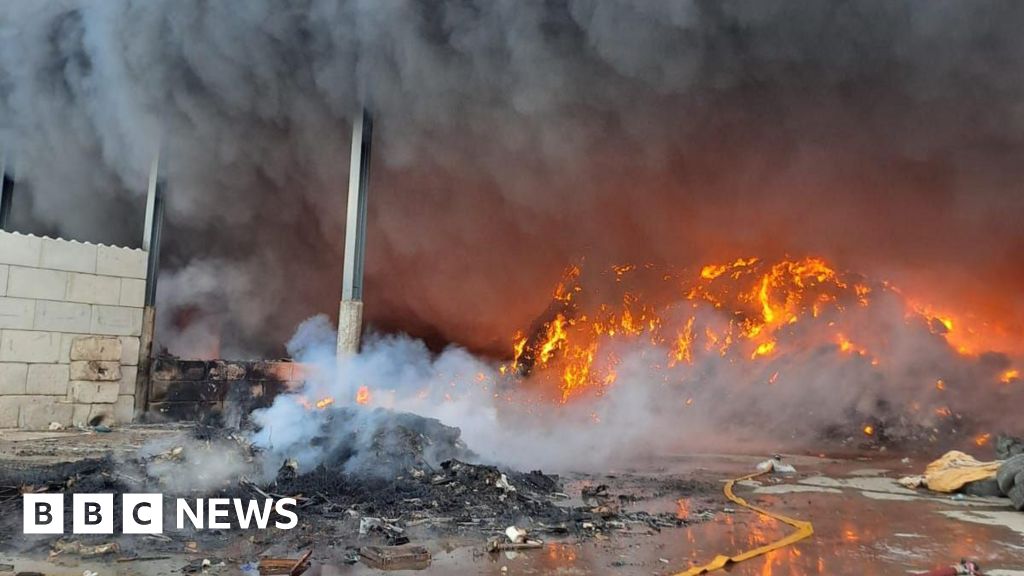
<point x="363" y="396"/>
<point x="756" y="304"/>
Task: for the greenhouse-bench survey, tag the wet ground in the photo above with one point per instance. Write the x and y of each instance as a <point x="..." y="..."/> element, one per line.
<point x="864" y="523"/>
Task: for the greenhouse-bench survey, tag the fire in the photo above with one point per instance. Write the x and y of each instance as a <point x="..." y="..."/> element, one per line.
<point x="982" y="439"/>
<point x="748" y="308"/>
<point x="763" y="349"/>
<point x="555" y="337"/>
<point x="682" y="508"/>
<point x="869" y="430"/>
<point x="847" y="345"/>
<point x="684" y="343"/>
<point x="363" y="396"/>
<point x="324" y="402"/>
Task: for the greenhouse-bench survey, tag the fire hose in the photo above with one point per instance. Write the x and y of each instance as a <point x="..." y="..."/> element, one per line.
<point x="804" y="529"/>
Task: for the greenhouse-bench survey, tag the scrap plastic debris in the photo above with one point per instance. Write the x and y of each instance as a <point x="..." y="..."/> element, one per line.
<point x="963" y="568"/>
<point x="515" y="535"/>
<point x="951" y="472"/>
<point x="775" y="464"/>
<point x="504" y="484"/>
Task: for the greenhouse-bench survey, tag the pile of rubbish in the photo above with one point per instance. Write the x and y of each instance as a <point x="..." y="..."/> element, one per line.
<point x="416" y="471"/>
<point x="381" y="441"/>
<point x="376" y="484"/>
<point x="956" y="471"/>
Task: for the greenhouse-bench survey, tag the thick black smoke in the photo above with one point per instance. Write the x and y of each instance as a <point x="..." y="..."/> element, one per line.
<point x="514" y="137"/>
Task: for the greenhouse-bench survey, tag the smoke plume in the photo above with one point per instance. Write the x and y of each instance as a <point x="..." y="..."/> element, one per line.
<point x="513" y="138"/>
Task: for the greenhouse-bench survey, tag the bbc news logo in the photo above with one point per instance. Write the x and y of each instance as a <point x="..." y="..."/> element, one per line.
<point x="144" y="513"/>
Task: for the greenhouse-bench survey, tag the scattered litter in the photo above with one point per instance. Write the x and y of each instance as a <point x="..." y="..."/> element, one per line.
<point x="775" y="464"/>
<point x="963" y="568"/>
<point x="517" y="540"/>
<point x="515" y="535"/>
<point x="286" y="566"/>
<point x="289" y="470"/>
<point x="954" y="469"/>
<point x="124" y="559"/>
<point x="395" y="557"/>
<point x="172" y="454"/>
<point x="388" y="528"/>
<point x="55" y="426"/>
<point x="503" y="483"/>
<point x="497" y="545"/>
<point x="76" y="548"/>
<point x="200" y="565"/>
<point x="911" y="481"/>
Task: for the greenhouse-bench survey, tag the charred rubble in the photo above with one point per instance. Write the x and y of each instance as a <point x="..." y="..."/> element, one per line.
<point x="422" y="478"/>
<point x="423" y="474"/>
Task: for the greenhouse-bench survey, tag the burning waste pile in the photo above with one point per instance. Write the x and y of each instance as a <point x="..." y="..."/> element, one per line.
<point x="810" y="352"/>
<point x="794" y="354"/>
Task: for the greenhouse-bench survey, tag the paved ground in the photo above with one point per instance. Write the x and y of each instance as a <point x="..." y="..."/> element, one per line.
<point x="864" y="522"/>
<point x="25" y="448"/>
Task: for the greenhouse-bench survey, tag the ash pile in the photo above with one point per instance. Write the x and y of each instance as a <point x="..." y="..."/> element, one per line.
<point x="411" y="467"/>
<point x="403" y="471"/>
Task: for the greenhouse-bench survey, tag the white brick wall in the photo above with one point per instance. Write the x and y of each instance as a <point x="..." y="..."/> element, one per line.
<point x="26" y="282"/>
<point x="12" y="378"/>
<point x="93" y="289"/>
<point x="17" y="312"/>
<point x="70" y="320"/>
<point x="62" y="316"/>
<point x="71" y="256"/>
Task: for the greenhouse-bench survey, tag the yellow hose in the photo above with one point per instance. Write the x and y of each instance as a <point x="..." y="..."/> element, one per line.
<point x="803" y="530"/>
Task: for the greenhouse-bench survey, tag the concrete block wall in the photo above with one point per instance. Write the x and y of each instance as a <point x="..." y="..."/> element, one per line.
<point x="225" y="390"/>
<point x="70" y="321"/>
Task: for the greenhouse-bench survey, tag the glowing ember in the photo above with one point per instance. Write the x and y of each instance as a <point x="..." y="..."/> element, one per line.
<point x="869" y="430"/>
<point x="982" y="439"/>
<point x="682" y="508"/>
<point x="324" y="402"/>
<point x="363" y="396"/>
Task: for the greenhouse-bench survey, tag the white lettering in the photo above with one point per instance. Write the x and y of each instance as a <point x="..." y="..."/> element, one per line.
<point x="195" y="517"/>
<point x="281" y="507"/>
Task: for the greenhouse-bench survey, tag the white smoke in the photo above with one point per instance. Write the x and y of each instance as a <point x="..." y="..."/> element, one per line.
<point x="788" y="401"/>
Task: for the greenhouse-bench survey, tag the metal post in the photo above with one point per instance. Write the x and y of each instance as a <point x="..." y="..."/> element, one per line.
<point x="350" y="313"/>
<point x="6" y="192"/>
<point x="150" y="243"/>
<point x="147" y="228"/>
